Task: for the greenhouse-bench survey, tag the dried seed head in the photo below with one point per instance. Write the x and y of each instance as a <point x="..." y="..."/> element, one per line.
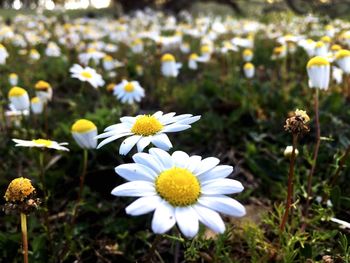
<point x="297" y="124"/>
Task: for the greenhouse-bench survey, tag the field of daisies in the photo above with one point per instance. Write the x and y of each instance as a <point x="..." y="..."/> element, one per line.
<point x="160" y="138"/>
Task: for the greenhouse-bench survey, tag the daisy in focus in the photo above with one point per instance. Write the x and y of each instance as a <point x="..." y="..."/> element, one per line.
<point x="145" y="129"/>
<point x="41" y="143"/>
<point x="87" y="74"/>
<point x="180" y="189"/>
<point x="129" y="92"/>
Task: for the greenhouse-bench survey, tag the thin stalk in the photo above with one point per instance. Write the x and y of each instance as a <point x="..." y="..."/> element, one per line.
<point x="317" y="146"/>
<point x="290" y="183"/>
<point x="24" y="237"/>
<point x="81" y="185"/>
<point x="83" y="174"/>
<point x="45" y="195"/>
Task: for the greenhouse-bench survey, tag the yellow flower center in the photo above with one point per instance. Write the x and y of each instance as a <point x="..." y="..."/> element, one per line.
<point x="83" y="125"/>
<point x="335" y="47"/>
<point x="86" y="74"/>
<point x="205" y="49"/>
<point x="248" y="66"/>
<point x="18" y="190"/>
<point x="108" y="58"/>
<point x="42" y="85"/>
<point x="247" y="52"/>
<point x="43" y="142"/>
<point x="146" y="125"/>
<point x="193" y="56"/>
<point x="35" y="100"/>
<point x="16" y="92"/>
<point x="178" y="186"/>
<point x="129" y="87"/>
<point x="342" y="54"/>
<point x="319" y="44"/>
<point x="168" y="57"/>
<point x="317" y="61"/>
<point x="326" y="39"/>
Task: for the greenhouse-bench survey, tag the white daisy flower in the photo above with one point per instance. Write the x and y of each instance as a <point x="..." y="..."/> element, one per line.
<point x="41" y="143"/>
<point x="37" y="105"/>
<point x="19" y="98"/>
<point x="13" y="79"/>
<point x="87" y="74"/>
<point x="249" y="70"/>
<point x="343" y="60"/>
<point x="145" y="129"/>
<point x="179" y="189"/>
<point x="84" y="133"/>
<point x="169" y="67"/>
<point x="129" y="92"/>
<point x="318" y="70"/>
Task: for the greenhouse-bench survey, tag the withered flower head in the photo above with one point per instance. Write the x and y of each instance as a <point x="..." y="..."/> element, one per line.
<point x="19" y="196"/>
<point x="297" y="124"/>
<point x="18" y="190"/>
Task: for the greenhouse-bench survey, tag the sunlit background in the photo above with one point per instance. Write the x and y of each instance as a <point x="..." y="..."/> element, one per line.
<point x="70" y="4"/>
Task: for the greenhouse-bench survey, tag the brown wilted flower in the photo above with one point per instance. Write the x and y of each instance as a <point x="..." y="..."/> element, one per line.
<point x="297" y="124"/>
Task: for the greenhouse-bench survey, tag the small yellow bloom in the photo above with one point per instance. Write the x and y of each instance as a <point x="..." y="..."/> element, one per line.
<point x="83" y="125"/>
<point x="248" y="65"/>
<point x="16" y="92"/>
<point x="42" y="85"/>
<point x="342" y="53"/>
<point x="167" y="57"/>
<point x="18" y="190"/>
<point x="317" y="61"/>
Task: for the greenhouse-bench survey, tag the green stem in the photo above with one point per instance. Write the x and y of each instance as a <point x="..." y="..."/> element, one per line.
<point x="290" y="183"/>
<point x="24" y="237"/>
<point x="81" y="185"/>
<point x="83" y="174"/>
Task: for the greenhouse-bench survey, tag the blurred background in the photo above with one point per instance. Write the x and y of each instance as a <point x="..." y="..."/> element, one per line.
<point x="331" y="8"/>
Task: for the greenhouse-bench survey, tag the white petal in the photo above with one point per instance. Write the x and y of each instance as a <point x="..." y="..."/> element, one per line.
<point x="158" y="114"/>
<point x="148" y="160"/>
<point x="143" y="143"/>
<point x="128" y="143"/>
<point x="163" y="218"/>
<point x="180" y="159"/>
<point x="135" y="172"/>
<point x="162" y="157"/>
<point x="193" y="162"/>
<point x="210" y="218"/>
<point x="176" y="127"/>
<point x="162" y="141"/>
<point x="223" y="204"/>
<point x="206" y="165"/>
<point x="189" y="120"/>
<point x="187" y="220"/>
<point x="112" y="138"/>
<point x="143" y="205"/>
<point x="221" y="186"/>
<point x="220" y="171"/>
<point x="135" y="188"/>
